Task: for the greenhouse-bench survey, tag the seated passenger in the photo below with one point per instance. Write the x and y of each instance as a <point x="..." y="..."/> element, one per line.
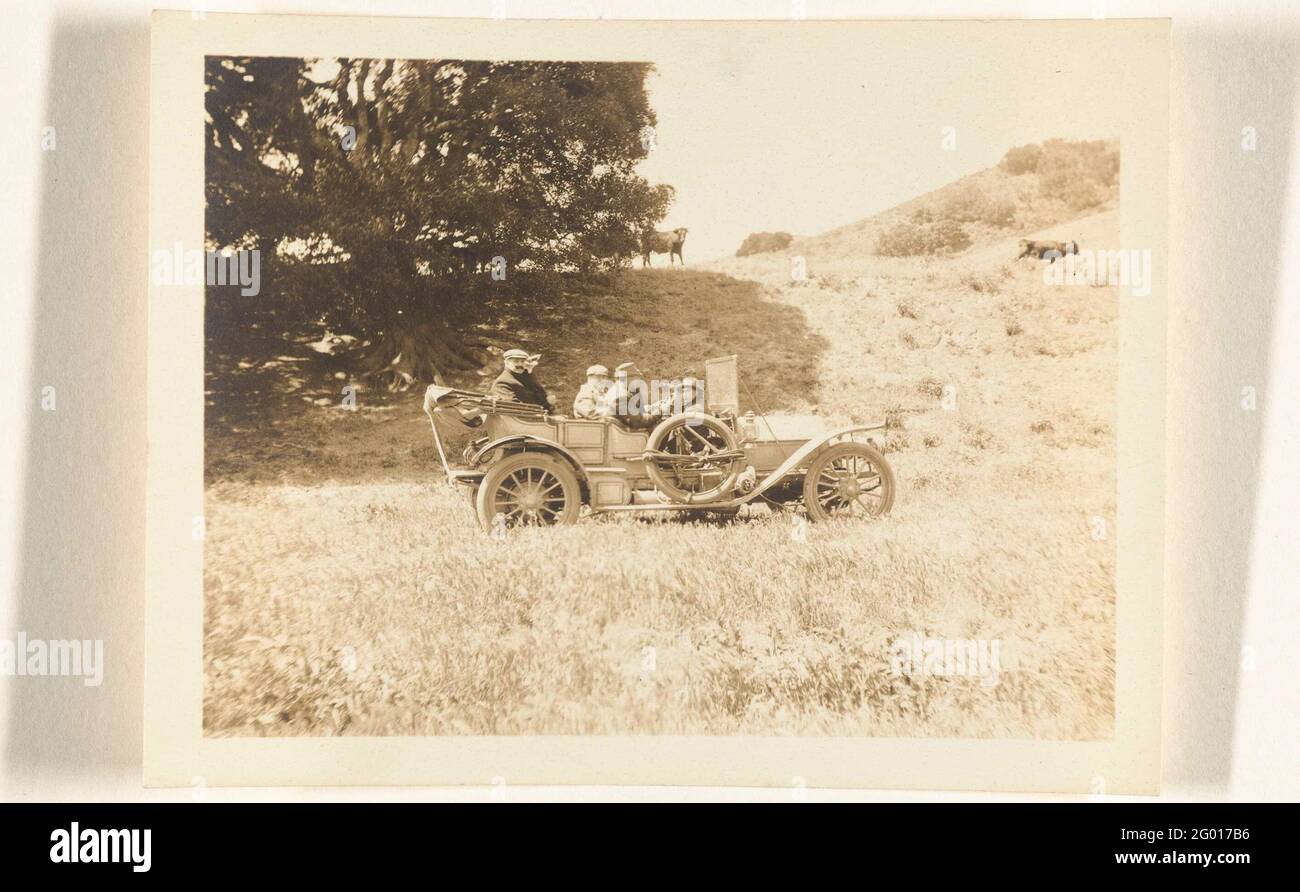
<point x="633" y="402"/>
<point x="626" y="399"/>
<point x="588" y="403"/>
<point x="516" y="381"/>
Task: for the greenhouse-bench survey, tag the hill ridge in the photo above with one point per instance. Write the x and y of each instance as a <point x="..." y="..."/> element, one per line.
<point x="1071" y="184"/>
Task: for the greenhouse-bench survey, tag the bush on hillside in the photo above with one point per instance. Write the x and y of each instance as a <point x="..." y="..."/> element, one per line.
<point x="972" y="205"/>
<point x="1021" y="159"/>
<point x="983" y="283"/>
<point x="1092" y="160"/>
<point x="911" y="239"/>
<point x="1078" y="194"/>
<point x="763" y="242"/>
<point x="1081" y="174"/>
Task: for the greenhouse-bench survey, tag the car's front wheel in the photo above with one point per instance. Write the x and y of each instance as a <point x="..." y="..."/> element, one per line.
<point x="848" y="480"/>
<point x="528" y="489"/>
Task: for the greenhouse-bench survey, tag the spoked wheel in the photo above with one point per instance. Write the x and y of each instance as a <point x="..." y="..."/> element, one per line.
<point x="693" y="458"/>
<point x="528" y="489"/>
<point x="848" y="480"/>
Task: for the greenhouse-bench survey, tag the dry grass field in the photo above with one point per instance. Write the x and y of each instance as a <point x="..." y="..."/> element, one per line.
<point x="349" y="591"/>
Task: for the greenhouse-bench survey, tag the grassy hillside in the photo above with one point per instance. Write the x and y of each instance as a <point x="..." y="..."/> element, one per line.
<point x="275" y="403"/>
<point x="349" y="592"/>
<point x="1060" y="190"/>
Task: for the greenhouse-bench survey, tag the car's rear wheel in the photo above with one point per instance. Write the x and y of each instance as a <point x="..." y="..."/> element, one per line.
<point x="528" y="489"/>
<point x="848" y="480"/>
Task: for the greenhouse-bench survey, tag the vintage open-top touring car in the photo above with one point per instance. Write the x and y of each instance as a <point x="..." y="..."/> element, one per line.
<point x="526" y="466"/>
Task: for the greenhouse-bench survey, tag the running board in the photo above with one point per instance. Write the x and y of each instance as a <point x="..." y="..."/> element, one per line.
<point x="674" y="506"/>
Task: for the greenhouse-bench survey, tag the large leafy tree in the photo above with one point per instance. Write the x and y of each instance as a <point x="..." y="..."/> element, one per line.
<point x="384" y="193"/>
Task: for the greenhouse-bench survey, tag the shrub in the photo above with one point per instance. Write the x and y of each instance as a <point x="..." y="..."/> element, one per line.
<point x="832" y="282"/>
<point x="1078" y="195"/>
<point x="978" y="437"/>
<point x="948" y="236"/>
<point x="1022" y="159"/>
<point x="910" y="239"/>
<point x="931" y="387"/>
<point x="972" y="205"/>
<point x="984" y="283"/>
<point x="902" y="240"/>
<point x="1080" y="174"/>
<point x="763" y="242"/>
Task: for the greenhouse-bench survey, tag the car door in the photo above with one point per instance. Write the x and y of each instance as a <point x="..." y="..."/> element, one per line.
<point x="585" y="439"/>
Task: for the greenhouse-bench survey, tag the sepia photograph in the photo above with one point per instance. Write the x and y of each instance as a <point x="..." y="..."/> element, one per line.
<point x="663" y="396"/>
<point x="546" y="402"/>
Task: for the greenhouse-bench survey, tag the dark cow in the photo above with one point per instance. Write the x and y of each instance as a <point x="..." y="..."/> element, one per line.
<point x="1047" y="249"/>
<point x="669" y="243"/>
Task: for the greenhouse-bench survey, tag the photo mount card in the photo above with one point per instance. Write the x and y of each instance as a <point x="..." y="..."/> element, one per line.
<point x="437" y="490"/>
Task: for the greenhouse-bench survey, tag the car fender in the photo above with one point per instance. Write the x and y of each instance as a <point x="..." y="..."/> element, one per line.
<point x="528" y="442"/>
<point x="875" y="432"/>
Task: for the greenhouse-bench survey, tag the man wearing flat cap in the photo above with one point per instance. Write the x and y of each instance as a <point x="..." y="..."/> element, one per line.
<point x="516" y="381"/>
<point x="590" y="395"/>
<point x="626" y="397"/>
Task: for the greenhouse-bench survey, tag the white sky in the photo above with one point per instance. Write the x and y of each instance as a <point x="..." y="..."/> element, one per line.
<point x="803" y="136"/>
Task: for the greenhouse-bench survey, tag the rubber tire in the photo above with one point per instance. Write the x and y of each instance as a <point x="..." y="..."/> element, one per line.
<point x="816" y="512"/>
<point x="722" y="491"/>
<point x="484" y="502"/>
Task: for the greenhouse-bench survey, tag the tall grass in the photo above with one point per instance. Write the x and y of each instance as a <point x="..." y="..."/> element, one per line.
<point x="381" y="609"/>
<point x="347" y="592"/>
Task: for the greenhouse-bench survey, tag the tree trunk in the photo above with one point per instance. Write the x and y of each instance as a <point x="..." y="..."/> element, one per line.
<point x="424" y="352"/>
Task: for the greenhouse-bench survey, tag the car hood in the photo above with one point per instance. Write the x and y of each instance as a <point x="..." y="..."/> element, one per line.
<point x="790" y="427"/>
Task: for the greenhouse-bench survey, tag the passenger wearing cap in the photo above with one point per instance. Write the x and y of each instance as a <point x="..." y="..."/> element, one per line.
<point x="516" y="381"/>
<point x="591" y="394"/>
<point x="626" y="399"/>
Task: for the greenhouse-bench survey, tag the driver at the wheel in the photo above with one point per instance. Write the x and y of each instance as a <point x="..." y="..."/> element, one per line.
<point x="625" y="399"/>
<point x="683" y="395"/>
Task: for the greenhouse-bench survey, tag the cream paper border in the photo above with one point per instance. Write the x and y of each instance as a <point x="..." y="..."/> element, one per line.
<point x="175" y="750"/>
